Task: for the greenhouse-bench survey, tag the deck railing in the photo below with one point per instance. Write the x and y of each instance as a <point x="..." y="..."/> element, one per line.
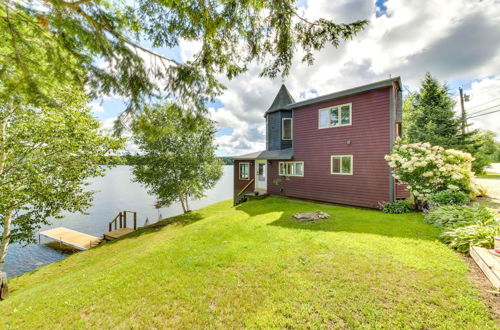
<point x="245" y="187"/>
<point x="120" y="221"/>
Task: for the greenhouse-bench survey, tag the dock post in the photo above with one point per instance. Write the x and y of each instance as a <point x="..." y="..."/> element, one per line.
<point x="121" y="220"/>
<point x="109" y="226"/>
<point x="135" y="220"/>
<point x="125" y="219"/>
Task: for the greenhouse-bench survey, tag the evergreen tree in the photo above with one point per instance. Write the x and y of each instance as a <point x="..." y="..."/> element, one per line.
<point x="98" y="42"/>
<point x="429" y="116"/>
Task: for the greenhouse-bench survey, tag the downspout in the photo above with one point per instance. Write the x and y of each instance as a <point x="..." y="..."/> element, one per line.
<point x="392" y="115"/>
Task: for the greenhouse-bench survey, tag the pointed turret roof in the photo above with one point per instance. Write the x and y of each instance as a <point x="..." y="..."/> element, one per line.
<point x="282" y="99"/>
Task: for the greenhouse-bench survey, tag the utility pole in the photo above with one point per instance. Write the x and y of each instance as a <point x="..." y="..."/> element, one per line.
<point x="461" y="91"/>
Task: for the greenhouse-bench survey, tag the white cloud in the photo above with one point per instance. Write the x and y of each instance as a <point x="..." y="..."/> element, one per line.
<point x="96" y="107"/>
<point x="484" y="98"/>
<point x="452" y="40"/>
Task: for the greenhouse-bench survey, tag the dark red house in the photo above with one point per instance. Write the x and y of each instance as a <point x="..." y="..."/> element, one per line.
<point x="329" y="148"/>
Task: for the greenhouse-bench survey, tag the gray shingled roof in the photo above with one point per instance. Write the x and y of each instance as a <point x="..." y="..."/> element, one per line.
<point x="281" y="101"/>
<point x="268" y="154"/>
<point x="351" y="91"/>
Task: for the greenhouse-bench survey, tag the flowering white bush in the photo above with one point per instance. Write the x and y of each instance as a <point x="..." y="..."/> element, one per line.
<point x="427" y="169"/>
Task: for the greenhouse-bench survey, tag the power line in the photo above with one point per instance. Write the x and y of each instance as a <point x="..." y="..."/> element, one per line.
<point x="485" y="109"/>
<point x="484" y="114"/>
<point x="498" y="98"/>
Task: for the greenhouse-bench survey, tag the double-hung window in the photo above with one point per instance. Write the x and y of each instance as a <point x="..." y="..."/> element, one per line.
<point x="339" y="115"/>
<point x="291" y="168"/>
<point x="341" y="165"/>
<point x="286" y="129"/>
<point x="244" y="171"/>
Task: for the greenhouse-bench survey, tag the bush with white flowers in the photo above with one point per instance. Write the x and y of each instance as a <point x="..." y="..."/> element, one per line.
<point x="427" y="169"/>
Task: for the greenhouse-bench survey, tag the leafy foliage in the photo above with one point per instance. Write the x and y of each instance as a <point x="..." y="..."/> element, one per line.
<point x="396" y="207"/>
<point x="484" y="149"/>
<point x="446" y="197"/>
<point x="97" y="43"/>
<point x="453" y="216"/>
<point x="428" y="169"/>
<point x="47" y="154"/>
<point x="465" y="226"/>
<point x="177" y="158"/>
<point x="462" y="238"/>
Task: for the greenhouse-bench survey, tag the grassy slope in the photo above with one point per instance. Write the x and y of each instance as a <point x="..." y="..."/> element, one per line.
<point x="254" y="266"/>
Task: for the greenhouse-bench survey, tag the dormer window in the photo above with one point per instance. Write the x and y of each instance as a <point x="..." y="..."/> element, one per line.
<point x="286" y="129"/>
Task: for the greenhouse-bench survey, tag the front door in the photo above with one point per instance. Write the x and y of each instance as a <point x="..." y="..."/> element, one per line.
<point x="261" y="175"/>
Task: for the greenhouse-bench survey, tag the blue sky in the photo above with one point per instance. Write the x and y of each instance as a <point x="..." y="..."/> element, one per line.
<point x="404" y="38"/>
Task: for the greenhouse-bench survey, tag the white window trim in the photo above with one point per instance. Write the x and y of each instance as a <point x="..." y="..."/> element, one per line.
<point x="239" y="170"/>
<point x="340" y="115"/>
<point x="331" y="164"/>
<point x="281" y="174"/>
<point x="283" y="126"/>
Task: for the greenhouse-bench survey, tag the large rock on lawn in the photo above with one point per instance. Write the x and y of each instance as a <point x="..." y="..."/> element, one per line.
<point x="311" y="216"/>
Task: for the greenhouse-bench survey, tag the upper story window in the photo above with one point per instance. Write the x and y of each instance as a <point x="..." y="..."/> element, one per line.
<point x="291" y="168"/>
<point x="339" y="115"/>
<point x="244" y="171"/>
<point x="286" y="129"/>
<point x="341" y="165"/>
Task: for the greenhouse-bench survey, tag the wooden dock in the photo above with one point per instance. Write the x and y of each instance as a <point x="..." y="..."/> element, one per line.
<point x="117" y="233"/>
<point x="489" y="264"/>
<point x="72" y="238"/>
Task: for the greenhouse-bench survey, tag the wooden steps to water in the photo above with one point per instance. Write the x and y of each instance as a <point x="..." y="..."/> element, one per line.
<point x="489" y="264"/>
<point x="117" y="233"/>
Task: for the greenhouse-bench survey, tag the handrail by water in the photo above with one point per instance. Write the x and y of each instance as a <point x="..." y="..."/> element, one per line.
<point x="245" y="188"/>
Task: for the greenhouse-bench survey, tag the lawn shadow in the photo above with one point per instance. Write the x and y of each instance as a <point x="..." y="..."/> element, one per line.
<point x="343" y="219"/>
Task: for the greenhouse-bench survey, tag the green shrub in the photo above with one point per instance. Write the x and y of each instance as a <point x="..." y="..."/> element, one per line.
<point x="447" y="197"/>
<point x="396" y="207"/>
<point x="453" y="216"/>
<point x="462" y="238"/>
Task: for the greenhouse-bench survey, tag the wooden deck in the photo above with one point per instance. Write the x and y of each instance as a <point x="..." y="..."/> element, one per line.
<point x="72" y="238"/>
<point x="489" y="264"/>
<point x="117" y="233"/>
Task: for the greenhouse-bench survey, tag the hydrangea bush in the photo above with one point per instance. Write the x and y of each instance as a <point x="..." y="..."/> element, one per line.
<point x="427" y="169"/>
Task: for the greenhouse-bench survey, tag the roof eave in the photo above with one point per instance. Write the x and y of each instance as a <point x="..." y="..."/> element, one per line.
<point x="347" y="92"/>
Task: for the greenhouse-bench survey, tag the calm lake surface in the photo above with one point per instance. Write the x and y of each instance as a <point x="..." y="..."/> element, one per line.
<point x="116" y="192"/>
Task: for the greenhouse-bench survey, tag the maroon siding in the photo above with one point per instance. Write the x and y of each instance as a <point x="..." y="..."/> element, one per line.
<point x="370" y="136"/>
<point x="401" y="191"/>
<point x="240" y="184"/>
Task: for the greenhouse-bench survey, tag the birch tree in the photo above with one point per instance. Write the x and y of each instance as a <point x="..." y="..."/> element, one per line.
<point x="176" y="159"/>
<point x="47" y="155"/>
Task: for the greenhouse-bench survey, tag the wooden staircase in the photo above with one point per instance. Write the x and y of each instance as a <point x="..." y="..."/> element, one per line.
<point x="120" y="226"/>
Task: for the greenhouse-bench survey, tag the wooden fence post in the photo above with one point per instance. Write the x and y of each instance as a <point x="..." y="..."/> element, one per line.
<point x="4" y="289"/>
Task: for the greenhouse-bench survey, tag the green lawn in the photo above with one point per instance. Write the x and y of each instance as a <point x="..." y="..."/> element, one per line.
<point x="254" y="266"/>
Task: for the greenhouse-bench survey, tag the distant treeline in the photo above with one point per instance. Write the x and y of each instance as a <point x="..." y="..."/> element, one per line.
<point x="126" y="160"/>
<point x="227" y="160"/>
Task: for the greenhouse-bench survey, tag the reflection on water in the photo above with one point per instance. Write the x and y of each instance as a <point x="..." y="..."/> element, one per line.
<point x="117" y="192"/>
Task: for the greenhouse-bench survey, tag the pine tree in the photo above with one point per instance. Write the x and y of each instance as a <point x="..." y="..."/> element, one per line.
<point x="430" y="117"/>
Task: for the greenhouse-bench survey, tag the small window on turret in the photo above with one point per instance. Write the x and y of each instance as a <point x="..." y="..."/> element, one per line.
<point x="286" y="129"/>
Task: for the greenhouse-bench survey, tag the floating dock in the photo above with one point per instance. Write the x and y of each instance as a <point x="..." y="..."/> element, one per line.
<point x="72" y="238"/>
<point x="489" y="264"/>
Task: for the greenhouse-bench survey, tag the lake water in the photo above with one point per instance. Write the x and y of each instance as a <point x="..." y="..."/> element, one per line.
<point x="117" y="192"/>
